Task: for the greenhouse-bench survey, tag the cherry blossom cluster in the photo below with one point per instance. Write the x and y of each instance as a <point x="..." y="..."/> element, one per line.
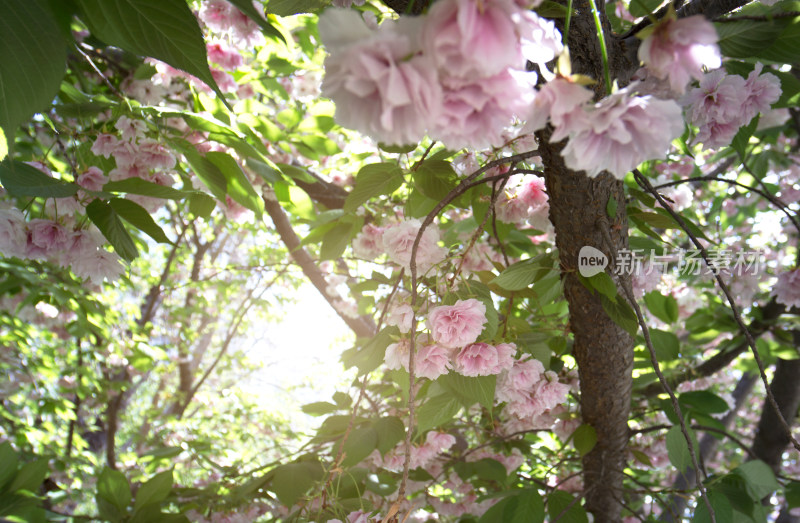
<point x="61" y="238"/>
<point x="725" y="102"/>
<point x="397" y="241"/>
<point x="458" y="72"/>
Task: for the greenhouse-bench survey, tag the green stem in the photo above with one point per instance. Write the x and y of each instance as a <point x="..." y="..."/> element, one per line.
<point x="566" y="22"/>
<point x="599" y="26"/>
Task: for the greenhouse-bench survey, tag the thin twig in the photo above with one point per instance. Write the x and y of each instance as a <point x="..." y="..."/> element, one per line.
<point x="626" y="288"/>
<point x="645" y="184"/>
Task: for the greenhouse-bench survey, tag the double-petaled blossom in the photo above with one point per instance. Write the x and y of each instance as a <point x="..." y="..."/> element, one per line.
<point x="468" y="38"/>
<point x="13" y="238"/>
<point x="476" y="359"/>
<point x="398" y="242"/>
<point x="457" y="325"/>
<point x="723" y="103"/>
<point x="787" y="289"/>
<point x="368" y="243"/>
<point x="677" y="50"/>
<point x="622" y="131"/>
<point x="380" y="82"/>
<point x="432" y="361"/>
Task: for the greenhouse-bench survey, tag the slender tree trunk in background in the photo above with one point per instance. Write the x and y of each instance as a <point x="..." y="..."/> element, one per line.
<point x="708" y="444"/>
<point x="770" y="441"/>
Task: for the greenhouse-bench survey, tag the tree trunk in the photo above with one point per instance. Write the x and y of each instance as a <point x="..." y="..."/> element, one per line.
<point x="770" y="441"/>
<point x="603" y="350"/>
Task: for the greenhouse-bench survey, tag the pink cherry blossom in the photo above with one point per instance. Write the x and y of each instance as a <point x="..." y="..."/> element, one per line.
<point x="441" y="441"/>
<point x="217" y="15"/>
<point x="13" y="237"/>
<point x="368" y="244"/>
<point x="457" y="325"/>
<point x="98" y="266"/>
<point x="105" y="145"/>
<point x="622" y="131"/>
<point x="130" y="129"/>
<point x="380" y="84"/>
<point x="677" y="50"/>
<point x="153" y="155"/>
<point x="398" y="241"/>
<point x="224" y="56"/>
<point x="397" y="355"/>
<point x="787" y="289"/>
<point x="560" y="100"/>
<point x="716" y="107"/>
<point x="432" y="361"/>
<point x="46" y="237"/>
<point x="763" y="90"/>
<point x="505" y="357"/>
<point x="476" y="359"/>
<point x="93" y="179"/>
<point x="533" y="191"/>
<point x="476" y="110"/>
<point x="401" y="316"/>
<point x="468" y="38"/>
<point x="541" y="41"/>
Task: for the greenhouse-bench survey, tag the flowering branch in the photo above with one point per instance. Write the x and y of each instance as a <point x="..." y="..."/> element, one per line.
<point x="645" y="184"/>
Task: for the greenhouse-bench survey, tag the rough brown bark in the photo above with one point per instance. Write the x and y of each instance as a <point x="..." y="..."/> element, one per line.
<point x="603" y="350"/>
<point x="770" y="441"/>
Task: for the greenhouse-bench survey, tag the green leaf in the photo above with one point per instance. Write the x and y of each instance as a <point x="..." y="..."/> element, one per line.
<point x="112" y="486"/>
<point x="723" y="511"/>
<point x="390" y="432"/>
<point x="678" y="449"/>
<point x="137" y="216"/>
<point x="208" y="173"/>
<point x="359" y="444"/>
<point x="622" y="314"/>
<point x="9" y="461"/>
<point x="435" y="178"/>
<point x="526" y="506"/>
<point x="478" y="389"/>
<point x="3" y="145"/>
<point x="792" y="493"/>
<point x="110" y="225"/>
<point x="293" y="480"/>
<point x="246" y="6"/>
<point x="665" y="308"/>
<point x="397" y="149"/>
<point x="557" y="503"/>
<point x="30" y="476"/>
<point x="167" y="31"/>
<point x="21" y="179"/>
<point x="519" y="275"/>
<point x="639" y="8"/>
<point x="201" y="204"/>
<point x="745" y="38"/>
<point x="584" y="438"/>
<point x="742" y="138"/>
<point x="371" y="355"/>
<point x="784" y="49"/>
<point x="436" y="412"/>
<point x="758" y="477"/>
<point x="294" y="7"/>
<point x="155" y="490"/>
<point x="319" y="408"/>
<point x="373" y="180"/>
<point x="236" y="183"/>
<point x="704" y="401"/>
<point x="611" y="207"/>
<point x="666" y="344"/>
<point x="336" y="241"/>
<point x="144" y="188"/>
<point x="602" y="283"/>
<point x="33" y="54"/>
